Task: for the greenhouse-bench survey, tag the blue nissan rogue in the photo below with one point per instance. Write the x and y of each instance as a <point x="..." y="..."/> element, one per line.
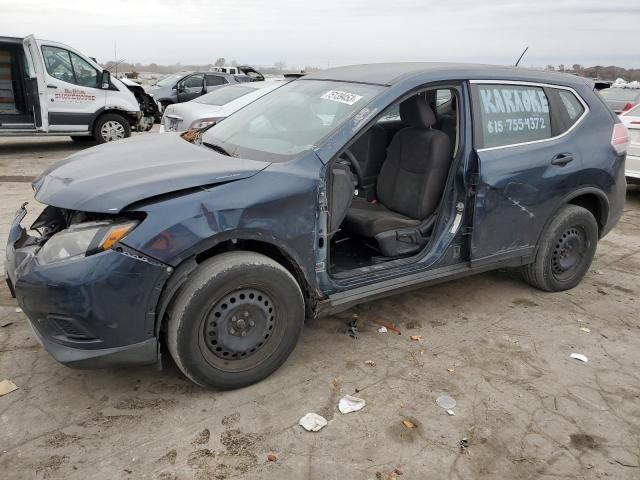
<point x="340" y="187"/>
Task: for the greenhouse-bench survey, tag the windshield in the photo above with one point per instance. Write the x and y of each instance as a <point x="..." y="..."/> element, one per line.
<point x="224" y="95"/>
<point x="169" y="81"/>
<point x="290" y="120"/>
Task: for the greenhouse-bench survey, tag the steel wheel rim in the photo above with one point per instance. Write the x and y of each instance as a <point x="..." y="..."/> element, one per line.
<point x="569" y="253"/>
<point x="247" y="310"/>
<point x="112" y="130"/>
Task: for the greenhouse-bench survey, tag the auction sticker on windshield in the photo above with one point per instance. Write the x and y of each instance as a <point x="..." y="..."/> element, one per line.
<point x="341" y="97"/>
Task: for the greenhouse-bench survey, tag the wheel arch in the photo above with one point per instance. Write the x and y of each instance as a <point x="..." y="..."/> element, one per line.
<point x="590" y="198"/>
<point x="593" y="200"/>
<point x="104" y="111"/>
<point x="277" y="253"/>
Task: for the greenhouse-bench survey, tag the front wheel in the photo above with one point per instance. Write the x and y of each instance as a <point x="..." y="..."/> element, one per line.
<point x="565" y="252"/>
<point x="111" y="127"/>
<point x="235" y="321"/>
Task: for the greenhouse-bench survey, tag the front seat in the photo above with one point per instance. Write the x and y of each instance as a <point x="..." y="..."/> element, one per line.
<point x="409" y="186"/>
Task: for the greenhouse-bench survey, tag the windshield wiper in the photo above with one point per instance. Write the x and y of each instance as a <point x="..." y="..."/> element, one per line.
<point x="217" y="148"/>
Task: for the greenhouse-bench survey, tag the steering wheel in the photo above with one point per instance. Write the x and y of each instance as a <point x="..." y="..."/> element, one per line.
<point x="349" y="158"/>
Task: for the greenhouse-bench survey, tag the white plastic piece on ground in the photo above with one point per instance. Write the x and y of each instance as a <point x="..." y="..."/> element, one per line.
<point x="348" y="404"/>
<point x="18" y="309"/>
<point x="312" y="422"/>
<point x="579" y="356"/>
<point x="382" y="329"/>
<point x="451" y="413"/>
<point x="7" y="386"/>
<point x="446" y="402"/>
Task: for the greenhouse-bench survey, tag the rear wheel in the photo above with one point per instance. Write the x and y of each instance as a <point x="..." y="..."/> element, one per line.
<point x="235" y="321"/>
<point x="566" y="250"/>
<point x="111" y="127"/>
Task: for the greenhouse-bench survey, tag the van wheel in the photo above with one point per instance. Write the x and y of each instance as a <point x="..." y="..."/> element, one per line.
<point x="110" y="127"/>
<point x="565" y="252"/>
<point x="235" y="321"/>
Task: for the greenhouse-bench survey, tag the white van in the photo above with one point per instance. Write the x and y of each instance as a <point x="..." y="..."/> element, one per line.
<point x="47" y="88"/>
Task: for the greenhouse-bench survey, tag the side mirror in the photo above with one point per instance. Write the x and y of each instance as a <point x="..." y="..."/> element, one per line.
<point x="106" y="80"/>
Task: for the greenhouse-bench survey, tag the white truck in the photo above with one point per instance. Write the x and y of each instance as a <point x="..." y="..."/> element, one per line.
<point x="48" y="88"/>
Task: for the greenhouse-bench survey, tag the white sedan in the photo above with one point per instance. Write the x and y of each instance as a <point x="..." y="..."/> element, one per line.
<point x="214" y="106"/>
<point x="631" y="118"/>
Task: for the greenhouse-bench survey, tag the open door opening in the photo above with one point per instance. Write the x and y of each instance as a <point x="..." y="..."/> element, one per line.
<point x="16" y="87"/>
<point x="387" y="186"/>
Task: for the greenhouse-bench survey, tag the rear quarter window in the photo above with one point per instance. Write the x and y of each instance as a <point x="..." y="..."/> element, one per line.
<point x="510" y="114"/>
<point x="568" y="109"/>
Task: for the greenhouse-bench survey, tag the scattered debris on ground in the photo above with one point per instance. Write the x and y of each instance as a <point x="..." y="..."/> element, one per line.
<point x="350" y="404"/>
<point x="312" y="422"/>
<point x="382" y="330"/>
<point x="5" y="323"/>
<point x="271" y="457"/>
<point x="7" y="386"/>
<point x="388" y="326"/>
<point x="579" y="356"/>
<point x="446" y="402"/>
<point x="371" y="363"/>
<point x="416" y="338"/>
<point x="352" y="329"/>
<point x="464" y="444"/>
<point x="585" y="329"/>
<point x="408" y="424"/>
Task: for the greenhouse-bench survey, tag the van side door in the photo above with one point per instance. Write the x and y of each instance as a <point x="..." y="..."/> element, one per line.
<point x="191" y="87"/>
<point x="73" y="87"/>
<point x="36" y="83"/>
<point x="526" y="164"/>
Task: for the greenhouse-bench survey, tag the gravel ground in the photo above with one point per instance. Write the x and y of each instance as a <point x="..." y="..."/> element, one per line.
<point x="500" y="348"/>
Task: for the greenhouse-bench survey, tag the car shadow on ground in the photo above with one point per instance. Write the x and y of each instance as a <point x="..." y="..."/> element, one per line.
<point x="54" y="145"/>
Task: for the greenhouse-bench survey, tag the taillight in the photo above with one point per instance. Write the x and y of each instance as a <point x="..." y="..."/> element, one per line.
<point x="628" y="106"/>
<point x="620" y="138"/>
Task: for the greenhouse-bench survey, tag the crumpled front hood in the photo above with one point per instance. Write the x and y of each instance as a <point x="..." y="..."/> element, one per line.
<point x="107" y="178"/>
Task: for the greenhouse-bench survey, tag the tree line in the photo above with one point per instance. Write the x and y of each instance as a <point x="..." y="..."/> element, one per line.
<point x="610" y="72"/>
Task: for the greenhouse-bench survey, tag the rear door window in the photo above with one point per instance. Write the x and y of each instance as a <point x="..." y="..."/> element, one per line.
<point x="510" y="114"/>
<point x="215" y="80"/>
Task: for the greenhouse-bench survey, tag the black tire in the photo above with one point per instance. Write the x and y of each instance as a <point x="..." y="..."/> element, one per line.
<point x="82" y="139"/>
<point x="120" y="128"/>
<point x="235" y="321"/>
<point x="566" y="250"/>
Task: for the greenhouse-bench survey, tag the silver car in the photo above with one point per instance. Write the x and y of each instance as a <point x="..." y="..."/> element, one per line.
<point x="214" y="106"/>
<point x="631" y="118"/>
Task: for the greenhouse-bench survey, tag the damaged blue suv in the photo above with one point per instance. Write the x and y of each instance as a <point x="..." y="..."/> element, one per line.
<point x="340" y="187"/>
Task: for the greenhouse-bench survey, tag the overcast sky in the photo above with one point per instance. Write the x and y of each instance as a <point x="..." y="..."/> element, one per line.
<point x="336" y="32"/>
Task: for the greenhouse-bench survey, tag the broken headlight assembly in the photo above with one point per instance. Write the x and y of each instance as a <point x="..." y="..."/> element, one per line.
<point x="205" y="122"/>
<point x="83" y="239"/>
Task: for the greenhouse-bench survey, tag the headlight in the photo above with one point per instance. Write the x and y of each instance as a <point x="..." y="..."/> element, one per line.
<point x="204" y="122"/>
<point x="82" y="240"/>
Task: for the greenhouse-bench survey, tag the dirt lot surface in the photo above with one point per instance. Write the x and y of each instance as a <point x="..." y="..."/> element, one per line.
<point x="500" y="348"/>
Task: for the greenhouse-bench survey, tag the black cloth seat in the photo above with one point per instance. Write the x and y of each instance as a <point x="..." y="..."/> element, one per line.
<point x="411" y="180"/>
<point x="368" y="219"/>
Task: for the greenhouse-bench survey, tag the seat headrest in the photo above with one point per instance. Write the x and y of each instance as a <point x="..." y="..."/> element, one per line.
<point x="416" y="112"/>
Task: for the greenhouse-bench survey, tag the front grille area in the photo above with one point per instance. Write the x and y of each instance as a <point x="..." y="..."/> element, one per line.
<point x="70" y="328"/>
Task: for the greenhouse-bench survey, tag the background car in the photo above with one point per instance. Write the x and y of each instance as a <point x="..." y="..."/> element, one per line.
<point x="186" y="86"/>
<point x="621" y="99"/>
<point x="214" y="106"/>
<point x="631" y="118"/>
